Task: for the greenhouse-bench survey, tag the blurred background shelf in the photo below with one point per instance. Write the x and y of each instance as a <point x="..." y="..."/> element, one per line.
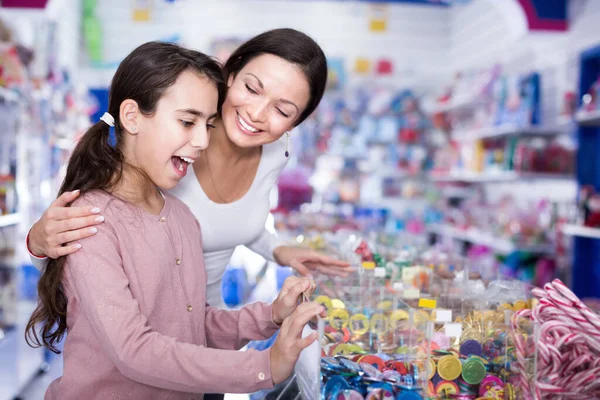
<point x="498" y="244"/>
<point x="9" y="220"/>
<point x="581" y="231"/>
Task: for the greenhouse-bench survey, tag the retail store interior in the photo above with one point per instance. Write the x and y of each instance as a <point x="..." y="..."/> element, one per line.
<point x="453" y="161"/>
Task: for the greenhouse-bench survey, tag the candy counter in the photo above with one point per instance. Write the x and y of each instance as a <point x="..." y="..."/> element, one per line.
<point x="424" y="352"/>
<point x="416" y="323"/>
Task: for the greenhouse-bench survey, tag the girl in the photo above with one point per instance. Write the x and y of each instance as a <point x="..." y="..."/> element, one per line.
<point x="275" y="80"/>
<point x="133" y="298"/>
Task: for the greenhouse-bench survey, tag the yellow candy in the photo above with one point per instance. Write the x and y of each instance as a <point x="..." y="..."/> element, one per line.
<point x="343" y="348"/>
<point x="532" y="303"/>
<point x="432" y="369"/>
<point x="398" y="315"/>
<point x="359" y="324"/>
<point x="520" y="305"/>
<point x="471" y="334"/>
<point x="446" y="388"/>
<point x="449" y="368"/>
<point x="402" y="350"/>
<point x="489" y="315"/>
<point x="385" y="305"/>
<point x="421" y="317"/>
<point x="477" y="316"/>
<point x="337" y="304"/>
<point x="379" y="324"/>
<point x="509" y="392"/>
<point x="339" y="318"/>
<point x="324" y="301"/>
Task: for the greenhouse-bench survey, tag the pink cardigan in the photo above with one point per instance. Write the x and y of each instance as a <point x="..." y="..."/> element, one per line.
<point x="139" y="325"/>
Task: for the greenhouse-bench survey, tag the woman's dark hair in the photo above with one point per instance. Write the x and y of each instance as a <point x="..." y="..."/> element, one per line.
<point x="143" y="76"/>
<point x="294" y="47"/>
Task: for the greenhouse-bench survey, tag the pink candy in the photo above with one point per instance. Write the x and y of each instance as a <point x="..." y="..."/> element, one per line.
<point x="568" y="347"/>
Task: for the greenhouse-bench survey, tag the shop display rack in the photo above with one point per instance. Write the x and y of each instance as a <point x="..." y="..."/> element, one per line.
<point x="9" y="220"/>
<point x="588" y="118"/>
<point x="475" y="236"/>
<point x="581" y="231"/>
<point x="496" y="176"/>
<point x="504" y="130"/>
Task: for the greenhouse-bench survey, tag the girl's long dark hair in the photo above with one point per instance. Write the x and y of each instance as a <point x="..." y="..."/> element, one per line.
<point x="143" y="76"/>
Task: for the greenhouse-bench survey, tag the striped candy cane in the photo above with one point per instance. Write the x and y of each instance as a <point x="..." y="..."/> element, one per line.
<point x="568" y="349"/>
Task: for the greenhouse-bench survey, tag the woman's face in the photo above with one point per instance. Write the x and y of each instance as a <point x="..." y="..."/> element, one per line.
<point x="264" y="101"/>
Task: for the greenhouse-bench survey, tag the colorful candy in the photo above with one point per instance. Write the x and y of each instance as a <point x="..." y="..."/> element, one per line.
<point x="471" y="347"/>
<point x="368" y="377"/>
<point x="449" y="367"/>
<point x="473" y="371"/>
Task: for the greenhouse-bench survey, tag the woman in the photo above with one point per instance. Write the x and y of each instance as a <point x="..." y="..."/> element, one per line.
<point x="275" y="81"/>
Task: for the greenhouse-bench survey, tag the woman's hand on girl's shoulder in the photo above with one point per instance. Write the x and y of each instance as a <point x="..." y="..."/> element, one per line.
<point x="60" y="225"/>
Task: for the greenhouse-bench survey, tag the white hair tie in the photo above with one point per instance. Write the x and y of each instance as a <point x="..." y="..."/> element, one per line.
<point x="110" y="121"/>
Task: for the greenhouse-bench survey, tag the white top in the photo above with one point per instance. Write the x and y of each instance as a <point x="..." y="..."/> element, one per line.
<point x="225" y="226"/>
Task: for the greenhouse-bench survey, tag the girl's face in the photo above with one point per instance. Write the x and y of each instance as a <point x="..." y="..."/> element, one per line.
<point x="264" y="101"/>
<point x="164" y="144"/>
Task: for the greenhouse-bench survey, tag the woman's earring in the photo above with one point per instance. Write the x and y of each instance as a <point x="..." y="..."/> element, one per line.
<point x="287" y="141"/>
<point x="133" y="129"/>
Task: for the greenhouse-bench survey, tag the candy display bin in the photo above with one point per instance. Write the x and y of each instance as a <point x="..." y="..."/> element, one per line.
<point x="473" y="335"/>
<point x="488" y="353"/>
<point x="369" y="347"/>
<point x="451" y="333"/>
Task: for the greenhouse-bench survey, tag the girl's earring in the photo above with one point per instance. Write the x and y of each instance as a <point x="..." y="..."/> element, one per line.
<point x="287" y="141"/>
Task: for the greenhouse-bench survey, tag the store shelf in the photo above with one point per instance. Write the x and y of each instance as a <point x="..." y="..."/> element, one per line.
<point x="504" y="130"/>
<point x="457" y="192"/>
<point x="588" y="118"/>
<point x="499" y="176"/>
<point x="394" y="172"/>
<point x="581" y="231"/>
<point x="9" y="95"/>
<point x="454" y="105"/>
<point x="475" y="236"/>
<point x="9" y="220"/>
<point x="565" y="121"/>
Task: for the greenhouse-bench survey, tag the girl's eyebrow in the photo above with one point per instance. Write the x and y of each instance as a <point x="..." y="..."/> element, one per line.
<point x="196" y="113"/>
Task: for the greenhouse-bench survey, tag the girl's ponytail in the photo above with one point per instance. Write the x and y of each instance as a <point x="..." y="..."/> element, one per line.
<point x="94" y="164"/>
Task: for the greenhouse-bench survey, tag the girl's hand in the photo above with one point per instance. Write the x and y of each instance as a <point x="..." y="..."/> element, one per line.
<point x="306" y="261"/>
<point x="293" y="290"/>
<point x="61" y="224"/>
<point x="289" y="342"/>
